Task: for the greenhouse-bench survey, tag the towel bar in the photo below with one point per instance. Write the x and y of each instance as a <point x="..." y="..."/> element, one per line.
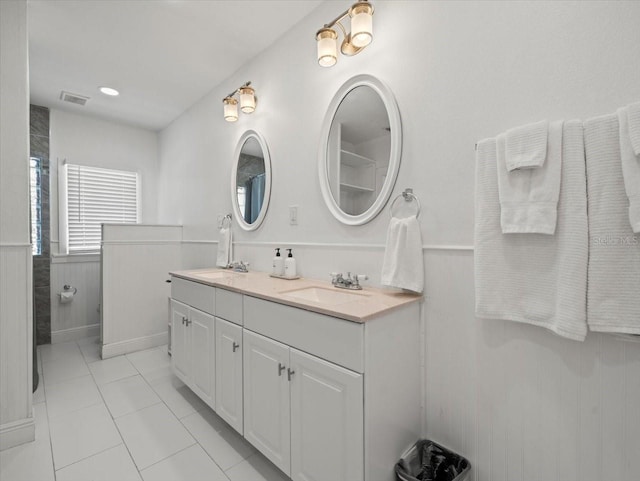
<point x="408" y="196"/>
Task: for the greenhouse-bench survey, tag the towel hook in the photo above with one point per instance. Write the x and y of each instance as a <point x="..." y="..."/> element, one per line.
<point x="408" y="196"/>
<point x="226" y="217"/>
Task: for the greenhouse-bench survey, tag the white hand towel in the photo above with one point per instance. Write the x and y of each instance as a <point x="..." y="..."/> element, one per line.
<point x="225" y="247"/>
<point x="529" y="197"/>
<point x="634" y="126"/>
<point x="630" y="169"/>
<point x="403" y="265"/>
<point x="526" y="146"/>
<point x="613" y="302"/>
<point x="535" y="279"/>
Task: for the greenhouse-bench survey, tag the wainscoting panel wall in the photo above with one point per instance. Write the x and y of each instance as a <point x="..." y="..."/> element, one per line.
<point x="520" y="402"/>
<point x="81" y="317"/>
<point x="136" y="260"/>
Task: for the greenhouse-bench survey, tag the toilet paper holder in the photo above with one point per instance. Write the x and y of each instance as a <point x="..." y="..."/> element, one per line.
<point x="67" y="288"/>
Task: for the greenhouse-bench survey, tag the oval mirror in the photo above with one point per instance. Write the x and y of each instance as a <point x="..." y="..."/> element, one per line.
<point x="360" y="150"/>
<point x="251" y="180"/>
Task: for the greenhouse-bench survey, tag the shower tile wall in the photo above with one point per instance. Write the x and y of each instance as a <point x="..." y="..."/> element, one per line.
<point x="39" y="139"/>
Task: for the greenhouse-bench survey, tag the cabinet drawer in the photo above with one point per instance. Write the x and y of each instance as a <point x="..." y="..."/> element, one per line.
<point x="193" y="294"/>
<point x="335" y="340"/>
<point x="229" y="306"/>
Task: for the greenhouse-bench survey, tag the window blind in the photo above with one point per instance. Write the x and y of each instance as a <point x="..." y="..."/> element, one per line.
<point x="96" y="196"/>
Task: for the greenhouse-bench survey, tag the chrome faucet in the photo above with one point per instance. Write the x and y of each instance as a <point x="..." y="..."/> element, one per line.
<point x="239" y="266"/>
<point x="338" y="280"/>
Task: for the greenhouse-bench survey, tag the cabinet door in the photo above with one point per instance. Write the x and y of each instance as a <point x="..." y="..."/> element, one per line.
<point x="180" y="341"/>
<point x="201" y="329"/>
<point x="229" y="373"/>
<point x="266" y="398"/>
<point x="326" y="421"/>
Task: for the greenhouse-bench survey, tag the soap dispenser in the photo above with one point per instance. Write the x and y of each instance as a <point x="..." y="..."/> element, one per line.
<point x="290" y="265"/>
<point x="278" y="264"/>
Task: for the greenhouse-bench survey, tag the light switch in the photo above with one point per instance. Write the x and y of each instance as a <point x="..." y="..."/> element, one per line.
<point x="293" y="215"/>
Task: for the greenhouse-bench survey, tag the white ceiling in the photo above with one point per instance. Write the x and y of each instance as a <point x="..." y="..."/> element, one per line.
<point x="162" y="55"/>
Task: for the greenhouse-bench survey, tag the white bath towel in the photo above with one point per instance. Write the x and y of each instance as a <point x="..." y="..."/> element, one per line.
<point x="531" y="278"/>
<point x="613" y="301"/>
<point x="403" y="264"/>
<point x="529" y="197"/>
<point x="630" y="169"/>
<point x="225" y="247"/>
<point x="526" y="146"/>
<point x="634" y="126"/>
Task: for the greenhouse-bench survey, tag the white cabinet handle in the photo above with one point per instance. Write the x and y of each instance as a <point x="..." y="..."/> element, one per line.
<point x="290" y="373"/>
<point x="281" y="367"/>
<point x="235" y="346"/>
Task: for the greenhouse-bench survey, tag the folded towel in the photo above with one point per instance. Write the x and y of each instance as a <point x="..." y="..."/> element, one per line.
<point x="613" y="301"/>
<point x="634" y="126"/>
<point x="403" y="265"/>
<point x="526" y="146"/>
<point x="630" y="169"/>
<point x="225" y="247"/>
<point x="536" y="279"/>
<point x="529" y="198"/>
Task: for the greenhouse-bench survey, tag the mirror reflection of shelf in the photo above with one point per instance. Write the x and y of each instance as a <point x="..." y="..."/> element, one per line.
<point x="357" y="173"/>
<point x="355" y="188"/>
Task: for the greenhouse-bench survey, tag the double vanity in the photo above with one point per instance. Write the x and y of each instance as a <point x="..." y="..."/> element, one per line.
<point x="324" y="382"/>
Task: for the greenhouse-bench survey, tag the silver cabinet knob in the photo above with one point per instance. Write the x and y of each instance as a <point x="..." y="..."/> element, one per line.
<point x="235" y="346"/>
<point x="281" y="367"/>
<point x="290" y="373"/>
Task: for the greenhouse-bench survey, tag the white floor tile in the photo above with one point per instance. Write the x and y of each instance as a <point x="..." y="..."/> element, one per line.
<point x="64" y="368"/>
<point x="226" y="447"/>
<point x="159" y="375"/>
<point x="82" y="433"/>
<point x="256" y="468"/>
<point x="191" y="464"/>
<point x="68" y="396"/>
<point x="152" y="434"/>
<point x="51" y="352"/>
<point x="112" y="369"/>
<point x="181" y="400"/>
<point x="150" y="360"/>
<point x="128" y="395"/>
<point x="88" y="340"/>
<point x="114" y="464"/>
<point x="90" y="349"/>
<point x="31" y="461"/>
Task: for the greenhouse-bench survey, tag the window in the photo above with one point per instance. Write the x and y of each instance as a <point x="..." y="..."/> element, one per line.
<point x="95" y="196"/>
<point x="35" y="177"/>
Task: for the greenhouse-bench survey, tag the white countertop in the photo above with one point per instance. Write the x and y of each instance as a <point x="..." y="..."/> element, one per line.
<point x="353" y="305"/>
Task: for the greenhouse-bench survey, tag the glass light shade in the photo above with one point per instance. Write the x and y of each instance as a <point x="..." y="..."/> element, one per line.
<point x="361" y="24"/>
<point x="247" y="100"/>
<point x="327" y="40"/>
<point x="230" y="109"/>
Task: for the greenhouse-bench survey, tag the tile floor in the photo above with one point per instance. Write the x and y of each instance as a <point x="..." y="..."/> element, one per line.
<point x="126" y="418"/>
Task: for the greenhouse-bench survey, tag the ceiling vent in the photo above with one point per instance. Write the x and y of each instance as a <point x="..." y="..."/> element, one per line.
<point x="73" y="98"/>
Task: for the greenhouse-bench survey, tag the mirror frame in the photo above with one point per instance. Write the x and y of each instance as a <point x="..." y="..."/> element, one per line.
<point x="395" y="154"/>
<point x="267" y="181"/>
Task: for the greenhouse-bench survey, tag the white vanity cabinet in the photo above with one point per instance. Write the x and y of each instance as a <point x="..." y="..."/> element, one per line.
<point x="229" y="373"/>
<point x="193" y="349"/>
<point x="303" y="413"/>
<point x="323" y="398"/>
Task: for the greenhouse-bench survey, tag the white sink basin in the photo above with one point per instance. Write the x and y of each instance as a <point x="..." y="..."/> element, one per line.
<point x="217" y="275"/>
<point x="324" y="295"/>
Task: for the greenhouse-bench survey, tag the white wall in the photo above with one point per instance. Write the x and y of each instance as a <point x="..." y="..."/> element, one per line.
<point x="520" y="403"/>
<point x="16" y="276"/>
<point x="81" y="139"/>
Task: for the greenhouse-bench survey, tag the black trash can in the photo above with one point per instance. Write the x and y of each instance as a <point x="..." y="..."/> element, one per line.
<point x="428" y="461"/>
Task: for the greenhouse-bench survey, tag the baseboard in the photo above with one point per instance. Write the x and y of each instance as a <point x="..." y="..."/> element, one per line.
<point x="75" y="333"/>
<point x="133" y="345"/>
<point x="17" y="433"/>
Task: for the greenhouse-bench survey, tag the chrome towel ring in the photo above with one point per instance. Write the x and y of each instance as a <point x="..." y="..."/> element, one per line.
<point x="408" y="196"/>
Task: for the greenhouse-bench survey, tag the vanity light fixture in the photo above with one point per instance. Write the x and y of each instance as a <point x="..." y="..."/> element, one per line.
<point x="248" y="102"/>
<point x="361" y="35"/>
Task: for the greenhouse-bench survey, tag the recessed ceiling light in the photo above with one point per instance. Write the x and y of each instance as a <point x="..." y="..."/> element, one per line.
<point x="109" y="91"/>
